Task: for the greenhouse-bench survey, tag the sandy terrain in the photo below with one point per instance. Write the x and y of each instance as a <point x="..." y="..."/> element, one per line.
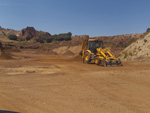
<point x="139" y="50"/>
<point x="56" y="85"/>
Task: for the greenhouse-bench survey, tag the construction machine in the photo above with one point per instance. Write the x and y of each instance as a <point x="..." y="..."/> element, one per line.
<point x="92" y="50"/>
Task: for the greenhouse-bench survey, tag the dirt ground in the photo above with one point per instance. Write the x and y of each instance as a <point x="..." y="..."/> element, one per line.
<point x="50" y="84"/>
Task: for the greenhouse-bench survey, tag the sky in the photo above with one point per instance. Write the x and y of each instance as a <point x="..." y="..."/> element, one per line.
<point x="81" y="17"/>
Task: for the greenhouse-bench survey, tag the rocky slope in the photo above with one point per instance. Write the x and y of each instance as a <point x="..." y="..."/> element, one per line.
<point x="115" y="43"/>
<point x="139" y="50"/>
<point x="26" y="32"/>
<point x="6" y="32"/>
<point x="31" y="32"/>
<point x="119" y="42"/>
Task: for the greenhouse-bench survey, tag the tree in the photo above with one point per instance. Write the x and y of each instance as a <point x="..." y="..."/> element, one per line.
<point x="12" y="37"/>
<point x="69" y="34"/>
<point x="148" y="30"/>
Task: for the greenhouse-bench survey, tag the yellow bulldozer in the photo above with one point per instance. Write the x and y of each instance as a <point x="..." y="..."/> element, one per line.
<point x="92" y="50"/>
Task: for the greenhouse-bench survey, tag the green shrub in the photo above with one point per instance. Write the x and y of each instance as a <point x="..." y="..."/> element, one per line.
<point x="12" y="37"/>
<point x="21" y="39"/>
<point x="69" y="34"/>
<point x="145" y="40"/>
<point x="59" y="37"/>
<point x="49" y="39"/>
<point x="28" y="38"/>
<point x="148" y="30"/>
<point x="63" y="36"/>
<point x="67" y="38"/>
<point x="40" y="39"/>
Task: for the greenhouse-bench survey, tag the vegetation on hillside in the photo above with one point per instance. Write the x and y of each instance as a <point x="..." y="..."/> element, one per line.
<point x="12" y="37"/>
<point x="44" y="39"/>
<point x="148" y="30"/>
<point x="59" y="37"/>
<point x="28" y="38"/>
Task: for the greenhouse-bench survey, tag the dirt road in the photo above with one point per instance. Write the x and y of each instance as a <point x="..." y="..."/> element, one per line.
<point x="60" y="86"/>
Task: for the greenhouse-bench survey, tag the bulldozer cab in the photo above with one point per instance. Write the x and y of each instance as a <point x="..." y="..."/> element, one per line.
<point x="93" y="44"/>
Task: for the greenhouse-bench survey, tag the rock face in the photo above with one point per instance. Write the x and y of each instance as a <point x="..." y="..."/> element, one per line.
<point x="139" y="50"/>
<point x="28" y="32"/>
<point x="31" y="32"/>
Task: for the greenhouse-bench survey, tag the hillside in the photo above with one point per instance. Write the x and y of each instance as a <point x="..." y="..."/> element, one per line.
<point x="139" y="50"/>
<point x="6" y="32"/>
<point x="119" y="42"/>
<point x="26" y="32"/>
<point x="61" y="46"/>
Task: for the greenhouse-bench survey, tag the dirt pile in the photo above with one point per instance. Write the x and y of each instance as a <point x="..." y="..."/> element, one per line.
<point x="47" y="52"/>
<point x="68" y="50"/>
<point x="139" y="50"/>
<point x="68" y="53"/>
<point x="77" y="58"/>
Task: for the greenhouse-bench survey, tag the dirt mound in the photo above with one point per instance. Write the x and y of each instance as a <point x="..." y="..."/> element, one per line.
<point x="139" y="50"/>
<point x="61" y="50"/>
<point x="77" y="58"/>
<point x="48" y="52"/>
<point x="68" y="53"/>
<point x="75" y="49"/>
<point x="68" y="50"/>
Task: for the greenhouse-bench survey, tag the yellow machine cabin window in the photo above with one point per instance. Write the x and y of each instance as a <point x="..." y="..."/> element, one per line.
<point x="93" y="45"/>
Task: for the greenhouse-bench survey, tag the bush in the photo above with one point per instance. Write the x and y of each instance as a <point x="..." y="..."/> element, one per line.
<point x="148" y="30"/>
<point x="145" y="40"/>
<point x="59" y="37"/>
<point x="49" y="39"/>
<point x="40" y="39"/>
<point x="67" y="38"/>
<point x="12" y="37"/>
<point x="69" y="34"/>
<point x="28" y="38"/>
<point x="63" y="36"/>
<point x="21" y="39"/>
